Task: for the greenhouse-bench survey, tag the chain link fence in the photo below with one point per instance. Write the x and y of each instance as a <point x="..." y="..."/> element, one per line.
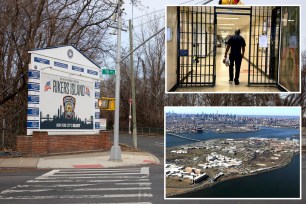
<point x="12" y="125"/>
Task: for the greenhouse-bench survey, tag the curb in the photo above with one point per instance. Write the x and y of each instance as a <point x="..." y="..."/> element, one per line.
<point x="156" y="159"/>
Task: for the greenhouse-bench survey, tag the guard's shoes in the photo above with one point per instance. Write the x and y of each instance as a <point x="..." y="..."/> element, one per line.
<point x="237" y="82"/>
<point x="230" y="81"/>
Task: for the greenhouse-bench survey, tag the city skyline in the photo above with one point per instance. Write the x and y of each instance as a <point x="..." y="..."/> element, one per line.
<point x="260" y="111"/>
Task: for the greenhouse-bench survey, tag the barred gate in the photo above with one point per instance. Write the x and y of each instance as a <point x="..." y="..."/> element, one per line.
<point x="197" y="38"/>
<point x="196" y="45"/>
<point x="264" y="46"/>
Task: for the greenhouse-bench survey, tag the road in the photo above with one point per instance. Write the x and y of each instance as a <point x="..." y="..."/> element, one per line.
<point x="122" y="185"/>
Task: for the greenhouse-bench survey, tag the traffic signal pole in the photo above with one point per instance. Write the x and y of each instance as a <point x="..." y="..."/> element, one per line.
<point x="115" y="154"/>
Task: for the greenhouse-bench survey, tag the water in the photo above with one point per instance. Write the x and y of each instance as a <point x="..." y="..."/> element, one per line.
<point x="265" y="132"/>
<point x="279" y="183"/>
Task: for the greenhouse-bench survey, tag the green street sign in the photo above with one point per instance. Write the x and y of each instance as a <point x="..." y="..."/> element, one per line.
<point x="109" y="71"/>
<point x="112" y="72"/>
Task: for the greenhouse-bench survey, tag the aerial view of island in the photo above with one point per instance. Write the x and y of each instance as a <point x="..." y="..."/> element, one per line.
<point x="230" y="152"/>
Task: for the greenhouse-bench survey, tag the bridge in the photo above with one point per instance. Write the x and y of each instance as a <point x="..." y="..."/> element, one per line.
<point x="187" y="138"/>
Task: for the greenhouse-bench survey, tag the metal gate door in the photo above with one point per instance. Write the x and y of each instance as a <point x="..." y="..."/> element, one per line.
<point x="196" y="45"/>
<point x="262" y="40"/>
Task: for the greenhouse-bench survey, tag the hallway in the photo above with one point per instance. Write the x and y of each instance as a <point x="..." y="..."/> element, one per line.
<point x="222" y="77"/>
<point x="194" y="61"/>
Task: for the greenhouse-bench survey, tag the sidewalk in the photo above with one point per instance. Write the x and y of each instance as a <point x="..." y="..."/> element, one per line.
<point x="82" y="160"/>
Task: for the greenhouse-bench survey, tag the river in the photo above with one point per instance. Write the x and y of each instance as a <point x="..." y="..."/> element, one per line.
<point x="264" y="132"/>
<point x="279" y="183"/>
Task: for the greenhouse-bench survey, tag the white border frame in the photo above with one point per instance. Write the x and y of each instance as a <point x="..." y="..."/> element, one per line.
<point x="241" y="5"/>
<point x="233" y="107"/>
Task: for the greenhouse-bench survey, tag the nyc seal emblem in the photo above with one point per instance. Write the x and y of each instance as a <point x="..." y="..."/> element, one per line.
<point x="69" y="106"/>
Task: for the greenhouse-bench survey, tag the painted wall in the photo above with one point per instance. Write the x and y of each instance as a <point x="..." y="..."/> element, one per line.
<point x="171" y="48"/>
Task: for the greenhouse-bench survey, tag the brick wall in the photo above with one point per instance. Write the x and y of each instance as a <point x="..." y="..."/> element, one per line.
<point x="42" y="144"/>
<point x="24" y="144"/>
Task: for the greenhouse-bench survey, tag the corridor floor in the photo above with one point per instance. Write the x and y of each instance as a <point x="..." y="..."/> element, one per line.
<point x="222" y="77"/>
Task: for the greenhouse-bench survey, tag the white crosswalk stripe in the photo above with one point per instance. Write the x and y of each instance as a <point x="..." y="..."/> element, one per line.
<point x="160" y="144"/>
<point x="128" y="185"/>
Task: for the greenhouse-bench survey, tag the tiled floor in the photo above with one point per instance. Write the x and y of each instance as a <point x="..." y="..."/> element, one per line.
<point x="222" y="77"/>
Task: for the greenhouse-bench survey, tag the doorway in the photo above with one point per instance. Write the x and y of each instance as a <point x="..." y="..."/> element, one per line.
<point x="228" y="20"/>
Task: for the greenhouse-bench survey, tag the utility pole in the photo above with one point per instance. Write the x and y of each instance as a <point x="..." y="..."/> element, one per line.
<point x="133" y="85"/>
<point x="116" y="150"/>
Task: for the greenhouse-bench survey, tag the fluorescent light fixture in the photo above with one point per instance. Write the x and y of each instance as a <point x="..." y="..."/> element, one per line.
<point x="228" y="18"/>
<point x="290" y="20"/>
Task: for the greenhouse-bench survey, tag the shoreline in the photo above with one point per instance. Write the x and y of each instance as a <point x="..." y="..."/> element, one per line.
<point x="236" y="131"/>
<point x="180" y="145"/>
<point x="209" y="185"/>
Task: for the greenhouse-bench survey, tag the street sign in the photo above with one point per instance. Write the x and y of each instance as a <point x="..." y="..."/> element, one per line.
<point x="109" y="71"/>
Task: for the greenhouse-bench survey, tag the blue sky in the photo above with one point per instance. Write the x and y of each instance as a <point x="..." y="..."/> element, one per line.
<point x="276" y="111"/>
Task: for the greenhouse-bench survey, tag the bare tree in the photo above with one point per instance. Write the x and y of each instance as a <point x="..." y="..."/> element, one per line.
<point x="28" y="24"/>
<point x="31" y="24"/>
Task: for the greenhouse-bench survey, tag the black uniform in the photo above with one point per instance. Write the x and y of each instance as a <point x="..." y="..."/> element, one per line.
<point x="236" y="42"/>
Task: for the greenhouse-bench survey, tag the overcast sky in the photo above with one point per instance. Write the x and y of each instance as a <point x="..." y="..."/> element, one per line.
<point x="275" y="111"/>
<point x="155" y="5"/>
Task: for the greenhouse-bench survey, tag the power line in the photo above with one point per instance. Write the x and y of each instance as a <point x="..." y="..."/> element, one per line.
<point x="147" y="14"/>
<point x="186" y="2"/>
<point x="159" y="10"/>
<point x="148" y="21"/>
<point x="205" y="2"/>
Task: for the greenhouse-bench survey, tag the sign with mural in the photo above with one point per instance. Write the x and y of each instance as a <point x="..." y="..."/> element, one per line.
<point x="63" y="92"/>
<point x="63" y="102"/>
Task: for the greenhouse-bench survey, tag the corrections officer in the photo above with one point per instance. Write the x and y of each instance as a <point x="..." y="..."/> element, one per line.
<point x="237" y="45"/>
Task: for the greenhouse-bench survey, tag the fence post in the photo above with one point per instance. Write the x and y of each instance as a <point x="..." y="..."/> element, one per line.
<point x="3" y="134"/>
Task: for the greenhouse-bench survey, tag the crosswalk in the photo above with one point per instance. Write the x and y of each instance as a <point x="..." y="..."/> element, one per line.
<point x="160" y="144"/>
<point x="126" y="185"/>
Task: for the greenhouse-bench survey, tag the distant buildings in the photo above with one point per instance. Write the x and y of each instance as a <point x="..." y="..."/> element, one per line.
<point x="198" y="123"/>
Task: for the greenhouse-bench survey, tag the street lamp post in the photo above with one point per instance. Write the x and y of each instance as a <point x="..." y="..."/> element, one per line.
<point x="116" y="150"/>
